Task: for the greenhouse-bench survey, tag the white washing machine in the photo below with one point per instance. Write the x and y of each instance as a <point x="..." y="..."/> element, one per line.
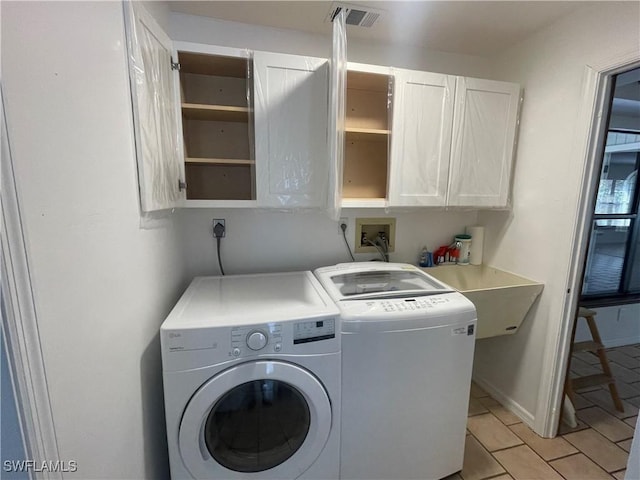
<point x="407" y="355"/>
<point x="251" y="369"/>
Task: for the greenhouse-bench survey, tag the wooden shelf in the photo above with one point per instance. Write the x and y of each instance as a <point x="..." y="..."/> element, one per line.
<point x="203" y="64"/>
<point x="356" y="202"/>
<point x="217" y="113"/>
<point x="219" y="161"/>
<point x="591" y="381"/>
<point x="588" y="346"/>
<point x="367" y="81"/>
<point x="367" y="134"/>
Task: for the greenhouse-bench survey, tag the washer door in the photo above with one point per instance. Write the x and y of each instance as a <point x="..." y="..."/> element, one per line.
<point x="264" y="419"/>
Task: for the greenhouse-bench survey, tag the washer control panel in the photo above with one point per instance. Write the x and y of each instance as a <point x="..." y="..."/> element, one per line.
<point x="411" y="304"/>
<point x="258" y="339"/>
<point x="310" y="336"/>
<point x="314" y="330"/>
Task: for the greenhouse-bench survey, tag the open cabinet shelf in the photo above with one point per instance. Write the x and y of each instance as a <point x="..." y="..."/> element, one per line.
<point x="216" y="127"/>
<point x="367" y="136"/>
<point x="219" y="113"/>
<point x="219" y="161"/>
<point x="219" y="181"/>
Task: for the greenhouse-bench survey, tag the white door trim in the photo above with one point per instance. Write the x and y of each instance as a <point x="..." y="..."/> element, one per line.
<point x="593" y="117"/>
<point x="20" y="323"/>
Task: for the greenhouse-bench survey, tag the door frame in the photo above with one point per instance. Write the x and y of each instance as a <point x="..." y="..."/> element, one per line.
<point x="592" y="120"/>
<point x="20" y="322"/>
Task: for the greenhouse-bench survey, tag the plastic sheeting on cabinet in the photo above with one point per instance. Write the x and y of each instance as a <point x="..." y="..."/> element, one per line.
<point x="484" y="129"/>
<point x="157" y="137"/>
<point x="290" y="99"/>
<point x="337" y="90"/>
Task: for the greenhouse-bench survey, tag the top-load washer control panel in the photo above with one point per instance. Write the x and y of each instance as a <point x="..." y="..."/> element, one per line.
<point x="410" y="304"/>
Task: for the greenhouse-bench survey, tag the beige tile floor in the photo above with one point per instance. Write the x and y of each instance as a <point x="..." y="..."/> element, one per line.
<point x="499" y="446"/>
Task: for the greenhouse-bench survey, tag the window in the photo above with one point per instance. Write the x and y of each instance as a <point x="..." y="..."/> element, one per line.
<point x="612" y="270"/>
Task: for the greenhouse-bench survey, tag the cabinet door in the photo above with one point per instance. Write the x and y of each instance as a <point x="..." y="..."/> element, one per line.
<point x="160" y="169"/>
<point x="483" y="140"/>
<point x="421" y="139"/>
<point x="292" y="156"/>
<point x="337" y="104"/>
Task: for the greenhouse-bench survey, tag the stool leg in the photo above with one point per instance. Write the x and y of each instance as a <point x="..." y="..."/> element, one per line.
<point x="568" y="386"/>
<point x="604" y="362"/>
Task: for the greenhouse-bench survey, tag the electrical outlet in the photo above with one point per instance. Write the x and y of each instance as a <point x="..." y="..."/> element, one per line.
<point x="345" y="221"/>
<point x="216" y="222"/>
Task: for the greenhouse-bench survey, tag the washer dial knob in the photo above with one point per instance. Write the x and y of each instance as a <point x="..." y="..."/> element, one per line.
<point x="256" y="340"/>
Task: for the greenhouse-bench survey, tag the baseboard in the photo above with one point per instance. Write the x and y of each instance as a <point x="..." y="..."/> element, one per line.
<point x="620" y="342"/>
<point x="506" y="402"/>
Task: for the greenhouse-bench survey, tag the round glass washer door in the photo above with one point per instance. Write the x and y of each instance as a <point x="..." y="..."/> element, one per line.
<point x="264" y="419"/>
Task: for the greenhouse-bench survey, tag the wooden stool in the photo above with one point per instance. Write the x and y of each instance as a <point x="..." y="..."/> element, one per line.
<point x="595" y="346"/>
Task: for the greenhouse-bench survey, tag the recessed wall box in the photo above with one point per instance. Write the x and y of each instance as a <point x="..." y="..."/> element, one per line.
<point x="370" y="230"/>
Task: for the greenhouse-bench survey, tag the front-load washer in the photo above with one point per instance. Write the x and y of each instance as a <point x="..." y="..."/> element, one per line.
<point x="407" y="354"/>
<point x="251" y="370"/>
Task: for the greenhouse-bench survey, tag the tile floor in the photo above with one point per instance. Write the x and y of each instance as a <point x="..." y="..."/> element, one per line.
<point x="500" y="447"/>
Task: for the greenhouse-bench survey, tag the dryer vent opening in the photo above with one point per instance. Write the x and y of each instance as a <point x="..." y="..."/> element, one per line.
<point x="357" y="15"/>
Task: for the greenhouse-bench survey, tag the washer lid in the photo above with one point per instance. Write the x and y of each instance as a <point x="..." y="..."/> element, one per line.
<point x="357" y="281"/>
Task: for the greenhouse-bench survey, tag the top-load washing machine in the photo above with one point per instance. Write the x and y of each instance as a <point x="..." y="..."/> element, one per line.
<point x="251" y="369"/>
<point x="407" y="355"/>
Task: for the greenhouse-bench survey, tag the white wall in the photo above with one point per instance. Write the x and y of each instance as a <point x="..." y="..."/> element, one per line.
<point x="263" y="241"/>
<point x="260" y="240"/>
<point x="616" y="325"/>
<point x="102" y="284"/>
<point x="535" y="239"/>
<point x="192" y="28"/>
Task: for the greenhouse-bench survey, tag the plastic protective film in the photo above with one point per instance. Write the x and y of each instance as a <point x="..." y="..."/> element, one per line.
<point x="421" y="129"/>
<point x="291" y="111"/>
<point x="251" y="130"/>
<point x="156" y="130"/>
<point x="391" y="90"/>
<point x="483" y="145"/>
<point x="337" y="94"/>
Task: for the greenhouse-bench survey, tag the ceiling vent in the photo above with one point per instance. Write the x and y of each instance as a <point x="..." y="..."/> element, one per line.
<point x="359" y="16"/>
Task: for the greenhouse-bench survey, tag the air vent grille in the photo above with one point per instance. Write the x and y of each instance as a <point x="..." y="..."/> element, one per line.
<point x="356" y="15"/>
<point x="369" y="19"/>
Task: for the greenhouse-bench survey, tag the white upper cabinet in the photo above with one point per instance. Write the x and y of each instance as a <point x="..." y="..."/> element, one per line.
<point x="421" y="140"/>
<point x="291" y="114"/>
<point x="239" y="128"/>
<point x="260" y="129"/>
<point x="427" y="140"/>
<point x="484" y="131"/>
<point x="160" y="167"/>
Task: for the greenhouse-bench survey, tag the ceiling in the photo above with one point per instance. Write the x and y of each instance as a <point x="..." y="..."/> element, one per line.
<point x="466" y="27"/>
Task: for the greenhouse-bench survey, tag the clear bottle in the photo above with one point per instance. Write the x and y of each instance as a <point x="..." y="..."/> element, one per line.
<point x="423" y="258"/>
